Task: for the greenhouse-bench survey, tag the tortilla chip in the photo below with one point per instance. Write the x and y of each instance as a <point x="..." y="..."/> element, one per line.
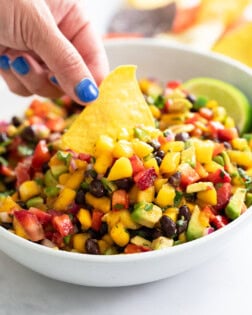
<point x="120" y="104"/>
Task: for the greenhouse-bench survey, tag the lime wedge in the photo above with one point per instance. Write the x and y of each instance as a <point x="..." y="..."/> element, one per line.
<point x="232" y="99"/>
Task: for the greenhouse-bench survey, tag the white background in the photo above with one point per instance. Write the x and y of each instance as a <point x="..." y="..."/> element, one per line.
<point x="220" y="286"/>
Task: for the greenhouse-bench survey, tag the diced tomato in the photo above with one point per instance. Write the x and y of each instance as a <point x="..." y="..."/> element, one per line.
<point x="137" y="164"/>
<point x="55" y="238"/>
<point x="41" y="155"/>
<point x="120" y="200"/>
<point x="196" y="132"/>
<point x="62" y="224"/>
<point x="23" y="171"/>
<point x="214" y="127"/>
<point x="42" y="216"/>
<point x="145" y="178"/>
<point x="219" y="176"/>
<point x="97" y="220"/>
<point x="188" y="175"/>
<point x="6" y="171"/>
<point x="201" y="170"/>
<point x="227" y="134"/>
<point x="206" y="113"/>
<point x="30" y="224"/>
<point x="35" y="120"/>
<point x="218" y="148"/>
<point x="223" y="195"/>
<point x="193" y="118"/>
<point x="132" y="248"/>
<point x="40" y="108"/>
<point x="173" y="84"/>
<point x="84" y="157"/>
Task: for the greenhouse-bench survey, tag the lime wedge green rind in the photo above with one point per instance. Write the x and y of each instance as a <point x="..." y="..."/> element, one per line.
<point x="231" y="98"/>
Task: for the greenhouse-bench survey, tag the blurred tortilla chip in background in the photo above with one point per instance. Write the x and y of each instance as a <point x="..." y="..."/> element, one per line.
<point x="224" y="26"/>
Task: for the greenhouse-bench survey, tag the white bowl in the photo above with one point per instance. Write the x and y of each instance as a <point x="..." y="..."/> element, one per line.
<point x="160" y="60"/>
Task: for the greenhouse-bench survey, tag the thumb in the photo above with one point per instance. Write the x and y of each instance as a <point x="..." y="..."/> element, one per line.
<point x="62" y="58"/>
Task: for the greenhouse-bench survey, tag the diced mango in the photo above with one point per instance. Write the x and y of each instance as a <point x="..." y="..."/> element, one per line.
<point x="102" y="203"/>
<point x="133" y="194"/>
<point x="85" y="218"/>
<point x="122" y="148"/>
<point x="165" y="196"/>
<point x="141" y="148"/>
<point x="172" y="213"/>
<point x="19" y="230"/>
<point x="79" y="241"/>
<point x="29" y="189"/>
<point x="63" y="178"/>
<point x="241" y="158"/>
<point x="75" y="179"/>
<point x="155" y="111"/>
<point x="212" y="167"/>
<point x="159" y="182"/>
<point x="64" y="200"/>
<point x="208" y="196"/>
<point x="103" y="246"/>
<point x="127" y="221"/>
<point x="119" y="235"/>
<point x="146" y="195"/>
<point x="204" y="151"/>
<point x="103" y="162"/>
<point x="239" y="144"/>
<point x="80" y="164"/>
<point x="7" y="204"/>
<point x="173" y="146"/>
<point x="170" y="163"/>
<point x="104" y="144"/>
<point x="122" y="168"/>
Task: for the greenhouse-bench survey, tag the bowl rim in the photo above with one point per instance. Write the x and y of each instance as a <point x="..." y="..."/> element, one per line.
<point x="124" y="258"/>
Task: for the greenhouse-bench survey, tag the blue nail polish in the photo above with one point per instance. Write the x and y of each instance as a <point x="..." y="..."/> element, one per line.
<point x="54" y="80"/>
<point x="20" y="65"/>
<point x="86" y="90"/>
<point x="4" y="62"/>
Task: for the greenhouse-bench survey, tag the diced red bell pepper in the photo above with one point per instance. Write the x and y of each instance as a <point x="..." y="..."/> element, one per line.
<point x="132" y="248"/>
<point x="30" y="224"/>
<point x="193" y="119"/>
<point x="173" y="84"/>
<point x="6" y="171"/>
<point x="42" y="216"/>
<point x="219" y="221"/>
<point x="63" y="224"/>
<point x="227" y="134"/>
<point x="137" y="164"/>
<point x="219" y="176"/>
<point x="218" y="148"/>
<point x="206" y="113"/>
<point x="188" y="175"/>
<point x="84" y="157"/>
<point x="97" y="220"/>
<point x="145" y="178"/>
<point x="214" y="127"/>
<point x="120" y="200"/>
<point x="41" y="155"/>
<point x="223" y="195"/>
<point x="55" y="124"/>
<point x="40" y="108"/>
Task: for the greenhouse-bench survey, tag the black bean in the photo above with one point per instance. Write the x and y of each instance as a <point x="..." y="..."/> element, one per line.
<point x="96" y="188"/>
<point x="168" y="226"/>
<point x="22" y="204"/>
<point x="155" y="144"/>
<point x="90" y="174"/>
<point x="159" y="160"/>
<point x="103" y="229"/>
<point x="160" y="153"/>
<point x="182" y="136"/>
<point x="191" y="98"/>
<point x="156" y="233"/>
<point x="3" y="137"/>
<point x="16" y="121"/>
<point x="181" y="226"/>
<point x="184" y="213"/>
<point x="28" y="134"/>
<point x="92" y="246"/>
<point x="227" y="145"/>
<point x="80" y="197"/>
<point x="124" y="183"/>
<point x="175" y="179"/>
<point x="45" y="167"/>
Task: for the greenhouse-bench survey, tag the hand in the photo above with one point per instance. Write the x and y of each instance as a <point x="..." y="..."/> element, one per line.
<point x="48" y="47"/>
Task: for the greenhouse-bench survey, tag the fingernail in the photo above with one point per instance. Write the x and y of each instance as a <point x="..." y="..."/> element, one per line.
<point x="54" y="80"/>
<point x="86" y="90"/>
<point x="4" y="62"/>
<point x="20" y="65"/>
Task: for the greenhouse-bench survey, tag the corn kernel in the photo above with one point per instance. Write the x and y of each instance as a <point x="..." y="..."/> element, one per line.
<point x="119" y="235"/>
<point x="152" y="162"/>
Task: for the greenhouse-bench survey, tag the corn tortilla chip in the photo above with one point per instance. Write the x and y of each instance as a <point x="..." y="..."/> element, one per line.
<point x="120" y="104"/>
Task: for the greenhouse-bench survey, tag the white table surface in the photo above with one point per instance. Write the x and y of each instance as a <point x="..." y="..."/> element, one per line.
<point x="220" y="286"/>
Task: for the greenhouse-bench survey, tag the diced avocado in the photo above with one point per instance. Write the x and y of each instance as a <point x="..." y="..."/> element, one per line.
<point x="161" y="242"/>
<point x="34" y="202"/>
<point x="234" y="207"/>
<point x="57" y="170"/>
<point x="146" y="214"/>
<point x="195" y="229"/>
<point x="228" y="165"/>
<point x="52" y="191"/>
<point x="49" y="179"/>
<point x="200" y="186"/>
<point x="219" y="159"/>
<point x="248" y="199"/>
<point x="140" y="241"/>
